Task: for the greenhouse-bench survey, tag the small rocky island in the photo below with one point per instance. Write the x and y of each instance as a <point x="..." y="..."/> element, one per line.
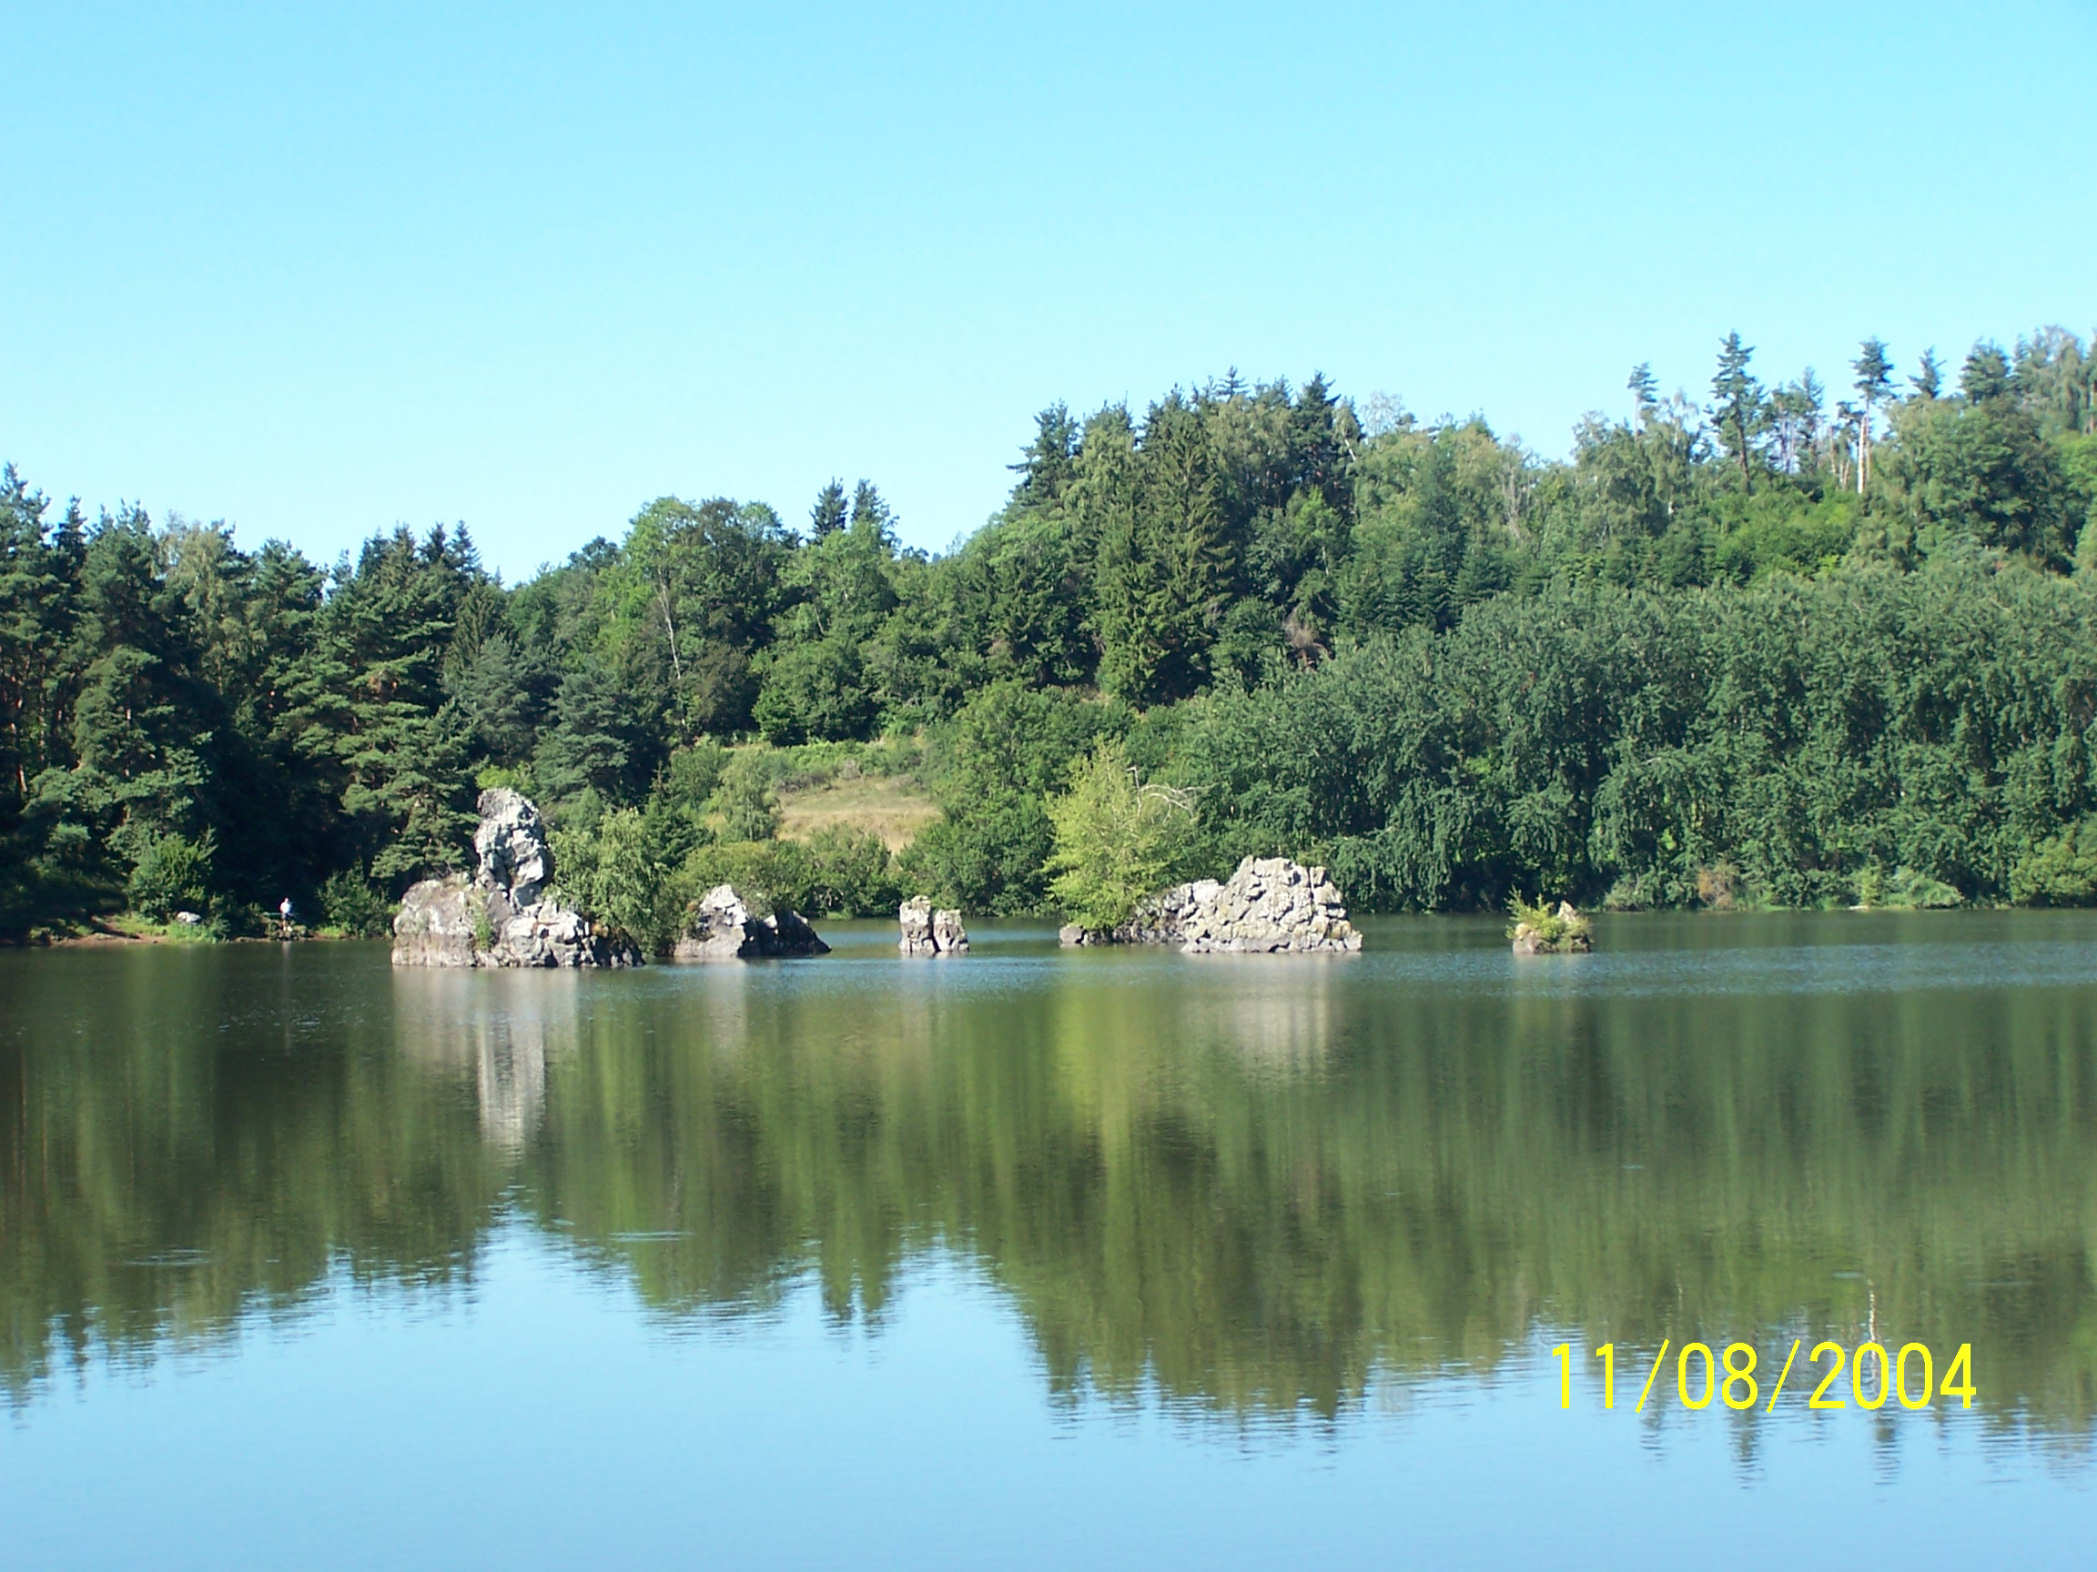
<point x="722" y="927"/>
<point x="497" y="917"/>
<point x="1537" y="930"/>
<point x="929" y="932"/>
<point x="1270" y="906"/>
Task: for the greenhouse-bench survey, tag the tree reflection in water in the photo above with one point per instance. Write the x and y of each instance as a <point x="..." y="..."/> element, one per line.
<point x="1246" y="1186"/>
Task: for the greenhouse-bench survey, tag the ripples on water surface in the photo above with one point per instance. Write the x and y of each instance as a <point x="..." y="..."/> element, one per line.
<point x="1044" y="1258"/>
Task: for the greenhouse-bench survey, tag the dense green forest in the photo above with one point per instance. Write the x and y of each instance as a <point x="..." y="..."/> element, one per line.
<point x="1773" y="646"/>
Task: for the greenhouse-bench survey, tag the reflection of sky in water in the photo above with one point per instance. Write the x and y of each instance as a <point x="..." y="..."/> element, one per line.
<point x="543" y="1419"/>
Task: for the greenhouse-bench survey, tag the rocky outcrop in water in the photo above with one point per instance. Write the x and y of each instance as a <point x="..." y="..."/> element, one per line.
<point x="509" y="844"/>
<point x="1270" y="905"/>
<point x="1564" y="932"/>
<point x="496" y="917"/>
<point x="1171" y="915"/>
<point x="723" y="928"/>
<point x="929" y="932"/>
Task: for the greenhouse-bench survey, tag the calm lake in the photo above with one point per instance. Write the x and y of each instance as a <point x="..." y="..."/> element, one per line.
<point x="1040" y="1258"/>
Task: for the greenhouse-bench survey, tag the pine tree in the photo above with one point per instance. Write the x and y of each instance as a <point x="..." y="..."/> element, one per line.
<point x="1645" y="392"/>
<point x="1738" y="407"/>
<point x="1985" y="375"/>
<point x="870" y="511"/>
<point x="827" y="517"/>
<point x="1048" y="465"/>
<point x="1874" y="385"/>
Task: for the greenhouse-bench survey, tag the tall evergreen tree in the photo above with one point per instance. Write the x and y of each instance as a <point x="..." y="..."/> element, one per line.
<point x="1874" y="385"/>
<point x="1048" y="465"/>
<point x="827" y="517"/>
<point x="1645" y="392"/>
<point x="1737" y="405"/>
<point x="1985" y="375"/>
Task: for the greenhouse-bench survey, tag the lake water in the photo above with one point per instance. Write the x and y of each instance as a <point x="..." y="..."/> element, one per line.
<point x="1053" y="1259"/>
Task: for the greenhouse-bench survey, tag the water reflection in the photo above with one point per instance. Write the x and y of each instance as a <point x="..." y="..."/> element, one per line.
<point x="1243" y="1188"/>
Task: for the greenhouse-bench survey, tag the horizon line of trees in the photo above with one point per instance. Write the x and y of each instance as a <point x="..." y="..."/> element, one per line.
<point x="1416" y="650"/>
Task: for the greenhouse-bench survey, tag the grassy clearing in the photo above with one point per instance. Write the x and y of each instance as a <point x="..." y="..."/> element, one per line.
<point x="894" y="807"/>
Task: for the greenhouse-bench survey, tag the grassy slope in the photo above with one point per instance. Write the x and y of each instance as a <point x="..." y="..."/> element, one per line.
<point x="894" y="807"/>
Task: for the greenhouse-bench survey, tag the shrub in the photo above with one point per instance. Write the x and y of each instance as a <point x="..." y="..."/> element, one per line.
<point x="748" y="805"/>
<point x="850" y="874"/>
<point x="172" y="873"/>
<point x="766" y="874"/>
<point x="2060" y="871"/>
<point x="1116" y="839"/>
<point x="354" y="906"/>
<point x="613" y="875"/>
<point x="1545" y="920"/>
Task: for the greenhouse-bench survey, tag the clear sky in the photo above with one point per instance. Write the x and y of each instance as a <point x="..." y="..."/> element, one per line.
<point x="319" y="270"/>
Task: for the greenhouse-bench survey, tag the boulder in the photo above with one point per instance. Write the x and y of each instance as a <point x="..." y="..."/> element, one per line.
<point x="929" y="932"/>
<point x="723" y="928"/>
<point x="497" y="917"/>
<point x="1270" y="905"/>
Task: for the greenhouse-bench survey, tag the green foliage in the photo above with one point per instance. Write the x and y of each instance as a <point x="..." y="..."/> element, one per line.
<point x="2061" y="870"/>
<point x="172" y="873"/>
<point x="1609" y="674"/>
<point x="817" y="690"/>
<point x="614" y="874"/>
<point x="602" y="738"/>
<point x="993" y="766"/>
<point x="1116" y="840"/>
<point x="1545" y="920"/>
<point x="353" y="906"/>
<point x="1985" y="471"/>
<point x="693" y="772"/>
<point x="746" y="798"/>
<point x="767" y="874"/>
<point x="849" y="874"/>
<point x="1800" y="732"/>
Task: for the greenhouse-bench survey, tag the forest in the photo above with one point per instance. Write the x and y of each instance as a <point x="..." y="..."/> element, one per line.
<point x="1775" y="644"/>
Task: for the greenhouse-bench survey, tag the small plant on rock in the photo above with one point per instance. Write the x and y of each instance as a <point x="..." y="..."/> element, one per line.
<point x="1538" y="928"/>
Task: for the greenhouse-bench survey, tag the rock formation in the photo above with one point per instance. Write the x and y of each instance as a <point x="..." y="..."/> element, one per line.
<point x="1271" y="905"/>
<point x="497" y="918"/>
<point x="1563" y="932"/>
<point x="929" y="932"/>
<point x="722" y="928"/>
<point x="510" y="844"/>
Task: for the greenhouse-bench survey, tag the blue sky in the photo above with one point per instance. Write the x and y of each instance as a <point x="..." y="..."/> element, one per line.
<point x="317" y="271"/>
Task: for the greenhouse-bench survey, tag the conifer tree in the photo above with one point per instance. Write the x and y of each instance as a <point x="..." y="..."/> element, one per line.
<point x="1737" y="405"/>
<point x="1874" y="385"/>
<point x="827" y="516"/>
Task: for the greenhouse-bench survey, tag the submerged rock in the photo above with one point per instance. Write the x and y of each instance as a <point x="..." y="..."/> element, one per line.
<point x="722" y="928"/>
<point x="929" y="932"/>
<point x="496" y="918"/>
<point x="1270" y="905"/>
